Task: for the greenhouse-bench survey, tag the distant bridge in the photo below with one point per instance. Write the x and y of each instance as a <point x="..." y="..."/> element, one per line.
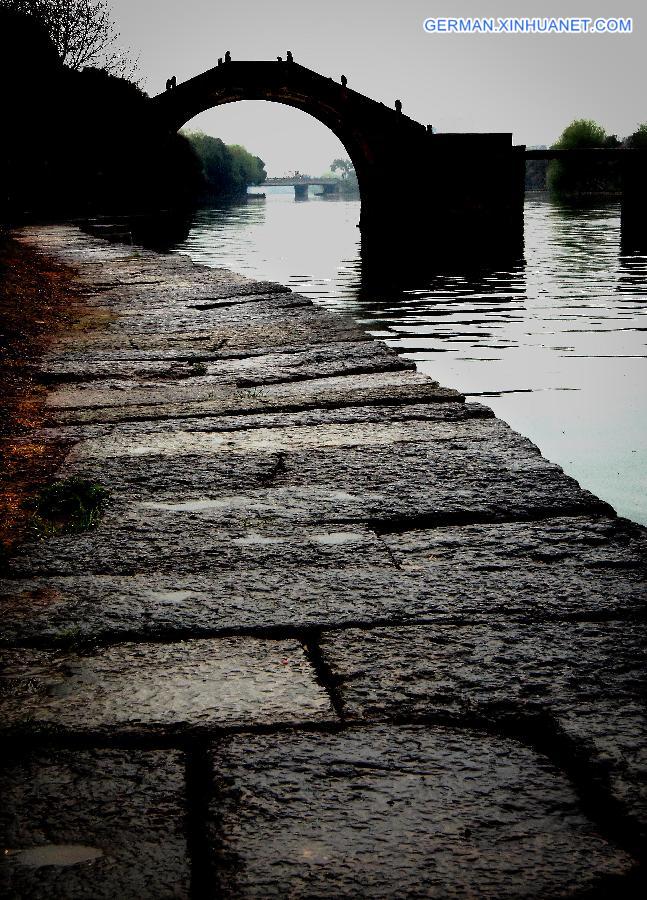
<point x="301" y="183"/>
<point x="452" y="194"/>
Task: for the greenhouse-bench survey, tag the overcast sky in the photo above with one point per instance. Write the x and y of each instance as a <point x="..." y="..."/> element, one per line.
<point x="531" y="85"/>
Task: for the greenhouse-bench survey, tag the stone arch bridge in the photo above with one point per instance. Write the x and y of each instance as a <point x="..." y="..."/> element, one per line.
<point x="431" y="193"/>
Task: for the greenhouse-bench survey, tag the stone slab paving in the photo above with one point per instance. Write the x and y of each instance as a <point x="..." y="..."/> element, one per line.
<point x="263" y="599"/>
<point x="140" y="543"/>
<point x="336" y="632"/>
<point x="588" y="677"/>
<point x="137" y="687"/>
<point x="341" y="358"/>
<point x="556" y="544"/>
<point x="416" y="812"/>
<point x="122" y="402"/>
<point x="94" y="823"/>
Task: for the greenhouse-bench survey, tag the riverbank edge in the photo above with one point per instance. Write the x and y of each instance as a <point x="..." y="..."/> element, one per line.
<point x="353" y="597"/>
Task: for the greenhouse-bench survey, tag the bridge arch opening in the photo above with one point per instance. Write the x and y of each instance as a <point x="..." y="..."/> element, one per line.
<point x="287" y="140"/>
<point x="369" y="131"/>
<point x="379" y="140"/>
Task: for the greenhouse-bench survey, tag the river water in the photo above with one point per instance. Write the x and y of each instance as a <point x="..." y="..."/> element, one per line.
<point x="556" y="345"/>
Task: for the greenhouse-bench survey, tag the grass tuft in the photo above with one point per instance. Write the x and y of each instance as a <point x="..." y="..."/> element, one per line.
<point x="68" y="506"/>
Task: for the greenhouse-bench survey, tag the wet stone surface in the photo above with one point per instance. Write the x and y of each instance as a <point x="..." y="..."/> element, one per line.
<point x="239" y="335"/>
<point x="200" y="684"/>
<point x="588" y="677"/>
<point x="399" y="812"/>
<point x="261" y="368"/>
<point x="100" y="823"/>
<point x="556" y="543"/>
<point x="451" y="412"/>
<point x="483" y="435"/>
<point x="160" y="542"/>
<point x="354" y="458"/>
<point x="328" y="623"/>
<point x="128" y="401"/>
<point x="169" y="603"/>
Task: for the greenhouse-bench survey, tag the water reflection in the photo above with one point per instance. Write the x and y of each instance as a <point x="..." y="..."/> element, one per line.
<point x="555" y="344"/>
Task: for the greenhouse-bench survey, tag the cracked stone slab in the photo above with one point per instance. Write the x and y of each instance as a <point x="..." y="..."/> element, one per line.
<point x="144" y="322"/>
<point x="157" y="544"/>
<point x="198" y="464"/>
<point x="325" y="361"/>
<point x="252" y="598"/>
<point x="202" y="289"/>
<point x="588" y="676"/>
<point x="485" y="491"/>
<point x="94" y="823"/>
<point x="475" y="435"/>
<point x="411" y="812"/>
<point x="425" y="412"/>
<point x="137" y="687"/>
<point x="556" y="542"/>
<point x="142" y="477"/>
<point x="181" y="296"/>
<point x="235" y="330"/>
<point x="242" y="338"/>
<point x="144" y="295"/>
<point x="485" y="481"/>
<point x="161" y="604"/>
<point x="131" y="538"/>
<point x="203" y="396"/>
<point x="185" y="285"/>
<point x="171" y="312"/>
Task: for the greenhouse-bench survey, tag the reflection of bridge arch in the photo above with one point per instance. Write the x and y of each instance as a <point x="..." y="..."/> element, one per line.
<point x="460" y="181"/>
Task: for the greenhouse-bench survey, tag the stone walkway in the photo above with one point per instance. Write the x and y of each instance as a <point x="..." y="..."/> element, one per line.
<point x="338" y="633"/>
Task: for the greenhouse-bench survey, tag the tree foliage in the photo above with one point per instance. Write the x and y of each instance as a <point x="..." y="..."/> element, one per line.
<point x="575" y="177"/>
<point x="581" y="133"/>
<point x="344" y="166"/>
<point x="638" y="140"/>
<point x="81" y="143"/>
<point x="227" y="170"/>
<point x="348" y="183"/>
<point x="81" y="30"/>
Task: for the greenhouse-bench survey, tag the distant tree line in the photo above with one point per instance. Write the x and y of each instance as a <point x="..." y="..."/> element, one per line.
<point x="565" y="177"/>
<point x="80" y="139"/>
<point x="226" y="171"/>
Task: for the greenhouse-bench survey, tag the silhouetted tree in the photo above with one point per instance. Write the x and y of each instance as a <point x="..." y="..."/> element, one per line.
<point x="247" y="169"/>
<point x="84" y="142"/>
<point x="81" y="30"/>
<point x="227" y="171"/>
<point x="638" y="140"/>
<point x="349" y="184"/>
<point x="581" y="133"/>
<point x="345" y="166"/>
<point x="577" y="177"/>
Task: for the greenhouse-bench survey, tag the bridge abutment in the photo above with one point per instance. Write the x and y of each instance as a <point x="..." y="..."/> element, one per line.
<point x="634" y="201"/>
<point x="460" y="195"/>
